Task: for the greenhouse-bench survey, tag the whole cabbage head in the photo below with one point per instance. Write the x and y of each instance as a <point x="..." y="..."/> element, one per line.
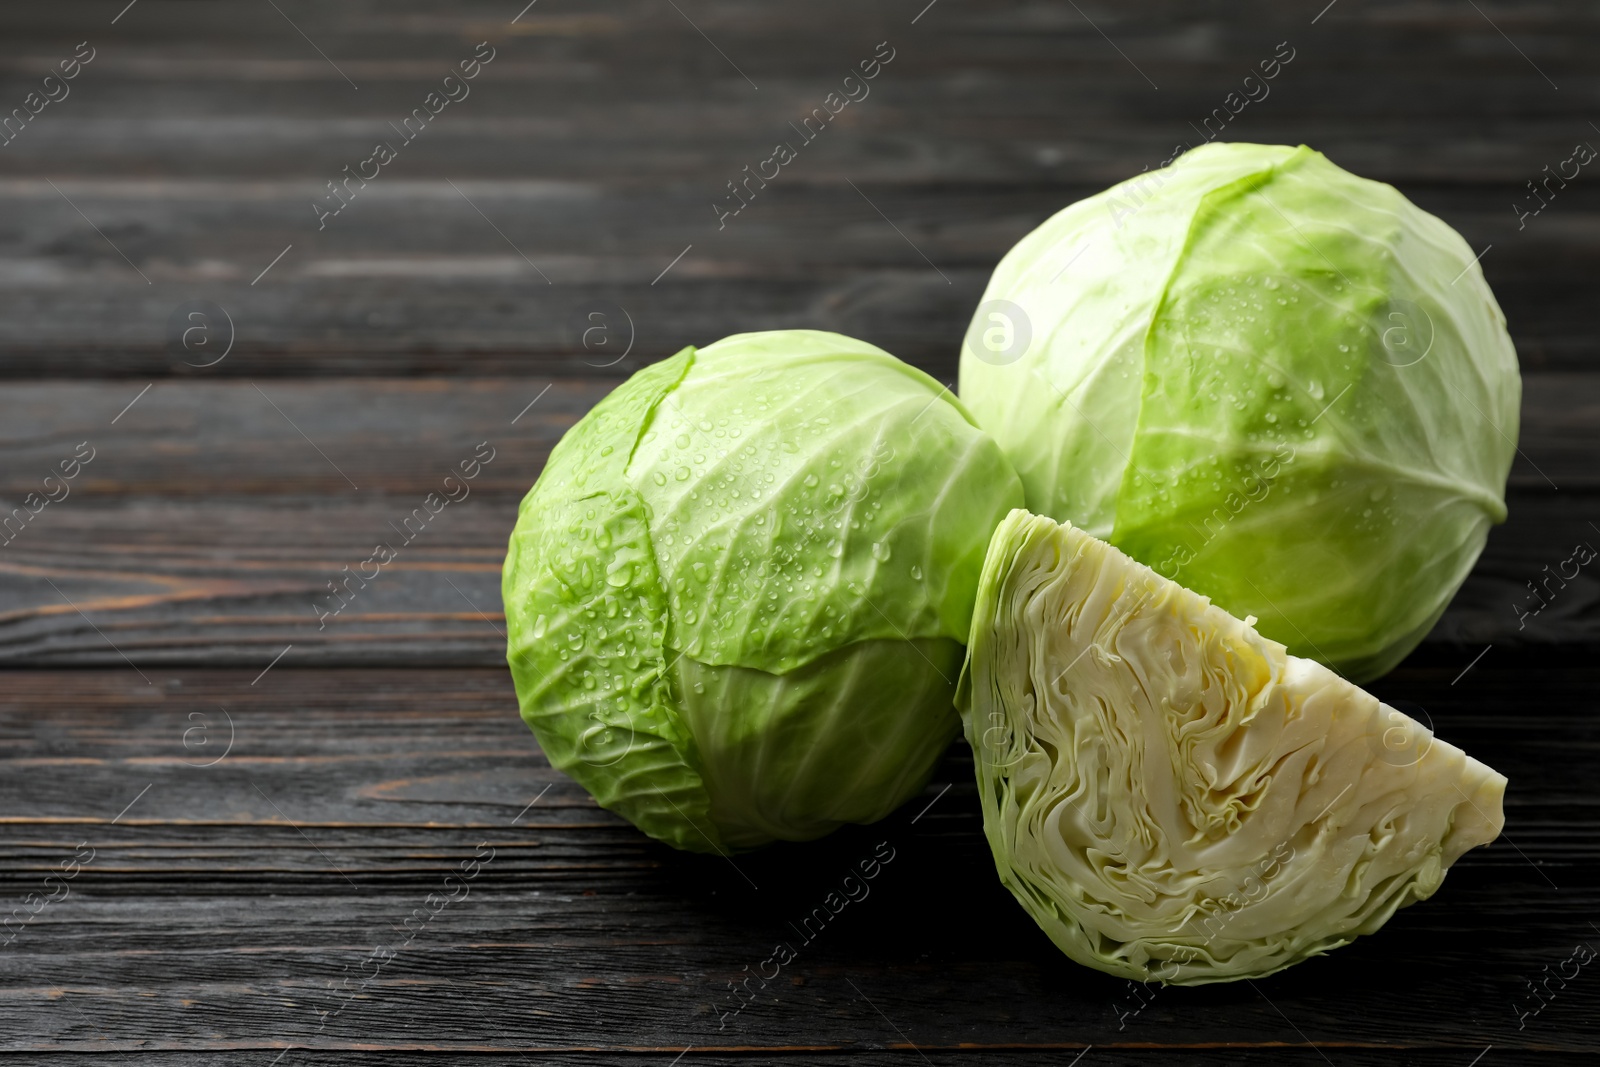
<point x="1280" y="384"/>
<point x="737" y="595"/>
<point x="1172" y="796"/>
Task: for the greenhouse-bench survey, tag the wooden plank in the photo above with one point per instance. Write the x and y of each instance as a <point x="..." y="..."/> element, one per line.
<point x="998" y="120"/>
<point x="204" y="439"/>
<point x="412" y="280"/>
<point x="206" y="921"/>
<point x="616" y="44"/>
<point x="236" y="580"/>
<point x="597" y="142"/>
<point x="206" y="528"/>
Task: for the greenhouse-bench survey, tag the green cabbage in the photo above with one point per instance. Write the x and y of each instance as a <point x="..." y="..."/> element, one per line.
<point x="736" y="596"/>
<point x="1282" y="385"/>
<point x="1172" y="796"/>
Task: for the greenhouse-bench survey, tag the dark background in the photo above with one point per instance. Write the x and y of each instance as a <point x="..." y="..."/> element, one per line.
<point x="256" y="836"/>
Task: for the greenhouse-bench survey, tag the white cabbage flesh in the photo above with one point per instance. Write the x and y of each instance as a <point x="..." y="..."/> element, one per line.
<point x="1172" y="796"/>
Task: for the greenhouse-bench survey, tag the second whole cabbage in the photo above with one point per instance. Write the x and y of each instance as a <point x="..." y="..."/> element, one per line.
<point x="1284" y="386"/>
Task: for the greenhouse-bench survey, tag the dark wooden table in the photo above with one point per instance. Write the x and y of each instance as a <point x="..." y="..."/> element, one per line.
<point x="253" y="805"/>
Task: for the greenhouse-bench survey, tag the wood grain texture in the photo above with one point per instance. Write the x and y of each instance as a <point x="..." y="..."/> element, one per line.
<point x="214" y="514"/>
<point x="235" y="580"/>
<point x="412" y="280"/>
<point x="403" y="436"/>
<point x="258" y="834"/>
<point x="591" y="149"/>
<point x="218" y="909"/>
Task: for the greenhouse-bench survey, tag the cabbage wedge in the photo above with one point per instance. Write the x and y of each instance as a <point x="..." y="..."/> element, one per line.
<point x="1172" y="796"/>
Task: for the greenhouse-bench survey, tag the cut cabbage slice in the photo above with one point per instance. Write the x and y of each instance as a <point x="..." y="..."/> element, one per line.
<point x="1172" y="796"/>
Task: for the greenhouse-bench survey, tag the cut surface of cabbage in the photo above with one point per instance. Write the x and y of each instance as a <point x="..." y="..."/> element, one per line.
<point x="1172" y="796"/>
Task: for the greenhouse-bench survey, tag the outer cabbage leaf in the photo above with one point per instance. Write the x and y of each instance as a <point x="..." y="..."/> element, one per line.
<point x="586" y="619"/>
<point x="1282" y="385"/>
<point x="1172" y="796"/>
